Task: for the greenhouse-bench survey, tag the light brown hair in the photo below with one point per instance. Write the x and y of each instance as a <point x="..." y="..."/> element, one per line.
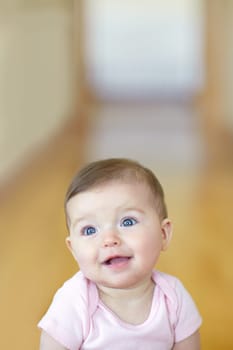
<point x="120" y="169"/>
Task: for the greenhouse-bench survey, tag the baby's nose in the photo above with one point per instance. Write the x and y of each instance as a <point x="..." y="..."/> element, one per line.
<point x="111" y="239"/>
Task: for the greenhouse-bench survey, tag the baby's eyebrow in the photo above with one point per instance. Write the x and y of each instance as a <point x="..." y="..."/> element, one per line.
<point x="78" y="220"/>
<point x="133" y="209"/>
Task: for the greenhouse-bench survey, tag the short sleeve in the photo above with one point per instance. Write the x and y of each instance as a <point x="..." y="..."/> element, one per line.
<point x="65" y="319"/>
<point x="188" y="317"/>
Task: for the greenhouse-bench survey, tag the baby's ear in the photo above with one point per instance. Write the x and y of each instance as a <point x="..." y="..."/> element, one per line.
<point x="166" y="228"/>
<point x="70" y="247"/>
<point x="69" y="244"/>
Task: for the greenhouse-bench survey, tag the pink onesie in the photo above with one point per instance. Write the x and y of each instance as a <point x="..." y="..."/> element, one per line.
<point x="78" y="319"/>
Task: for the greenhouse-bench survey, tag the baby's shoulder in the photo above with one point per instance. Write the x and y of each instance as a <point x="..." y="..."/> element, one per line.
<point x="78" y="291"/>
<point x="169" y="285"/>
<point x="162" y="278"/>
<point x="182" y="310"/>
<point x="68" y="316"/>
<point x="75" y="283"/>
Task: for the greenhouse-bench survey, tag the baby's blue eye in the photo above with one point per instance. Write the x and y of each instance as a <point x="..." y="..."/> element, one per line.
<point x="89" y="230"/>
<point x="128" y="222"/>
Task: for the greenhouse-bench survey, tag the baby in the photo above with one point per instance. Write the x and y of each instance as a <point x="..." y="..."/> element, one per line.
<point x="118" y="226"/>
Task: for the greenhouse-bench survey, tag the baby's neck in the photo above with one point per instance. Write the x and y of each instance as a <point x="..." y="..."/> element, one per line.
<point x="126" y="293"/>
<point x="131" y="305"/>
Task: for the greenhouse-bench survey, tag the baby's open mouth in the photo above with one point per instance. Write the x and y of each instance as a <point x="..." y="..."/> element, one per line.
<point x="117" y="260"/>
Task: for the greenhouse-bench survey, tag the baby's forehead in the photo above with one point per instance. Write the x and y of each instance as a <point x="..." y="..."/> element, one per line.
<point x="111" y="196"/>
<point x="113" y="192"/>
<point x="115" y="183"/>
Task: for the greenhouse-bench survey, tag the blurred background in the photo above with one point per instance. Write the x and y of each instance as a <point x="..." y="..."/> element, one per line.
<point x="83" y="80"/>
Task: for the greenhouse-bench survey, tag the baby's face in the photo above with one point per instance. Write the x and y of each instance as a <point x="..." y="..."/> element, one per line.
<point x="116" y="235"/>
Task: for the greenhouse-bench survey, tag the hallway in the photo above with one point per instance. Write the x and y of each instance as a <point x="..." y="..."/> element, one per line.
<point x="34" y="260"/>
<point x="59" y="60"/>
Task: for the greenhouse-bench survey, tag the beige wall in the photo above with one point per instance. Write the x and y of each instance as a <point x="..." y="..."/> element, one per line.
<point x="219" y="69"/>
<point x="36" y="75"/>
<point x="228" y="64"/>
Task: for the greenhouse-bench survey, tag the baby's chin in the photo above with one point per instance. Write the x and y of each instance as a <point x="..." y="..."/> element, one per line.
<point x="120" y="283"/>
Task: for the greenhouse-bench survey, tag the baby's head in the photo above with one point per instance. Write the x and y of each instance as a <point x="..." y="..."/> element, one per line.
<point x="117" y="170"/>
<point x="117" y="222"/>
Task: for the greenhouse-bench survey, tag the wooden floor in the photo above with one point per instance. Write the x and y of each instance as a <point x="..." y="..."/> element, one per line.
<point x="34" y="260"/>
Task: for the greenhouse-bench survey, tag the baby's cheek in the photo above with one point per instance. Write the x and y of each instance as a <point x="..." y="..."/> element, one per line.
<point x="80" y="257"/>
<point x="85" y="256"/>
<point x="151" y="247"/>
